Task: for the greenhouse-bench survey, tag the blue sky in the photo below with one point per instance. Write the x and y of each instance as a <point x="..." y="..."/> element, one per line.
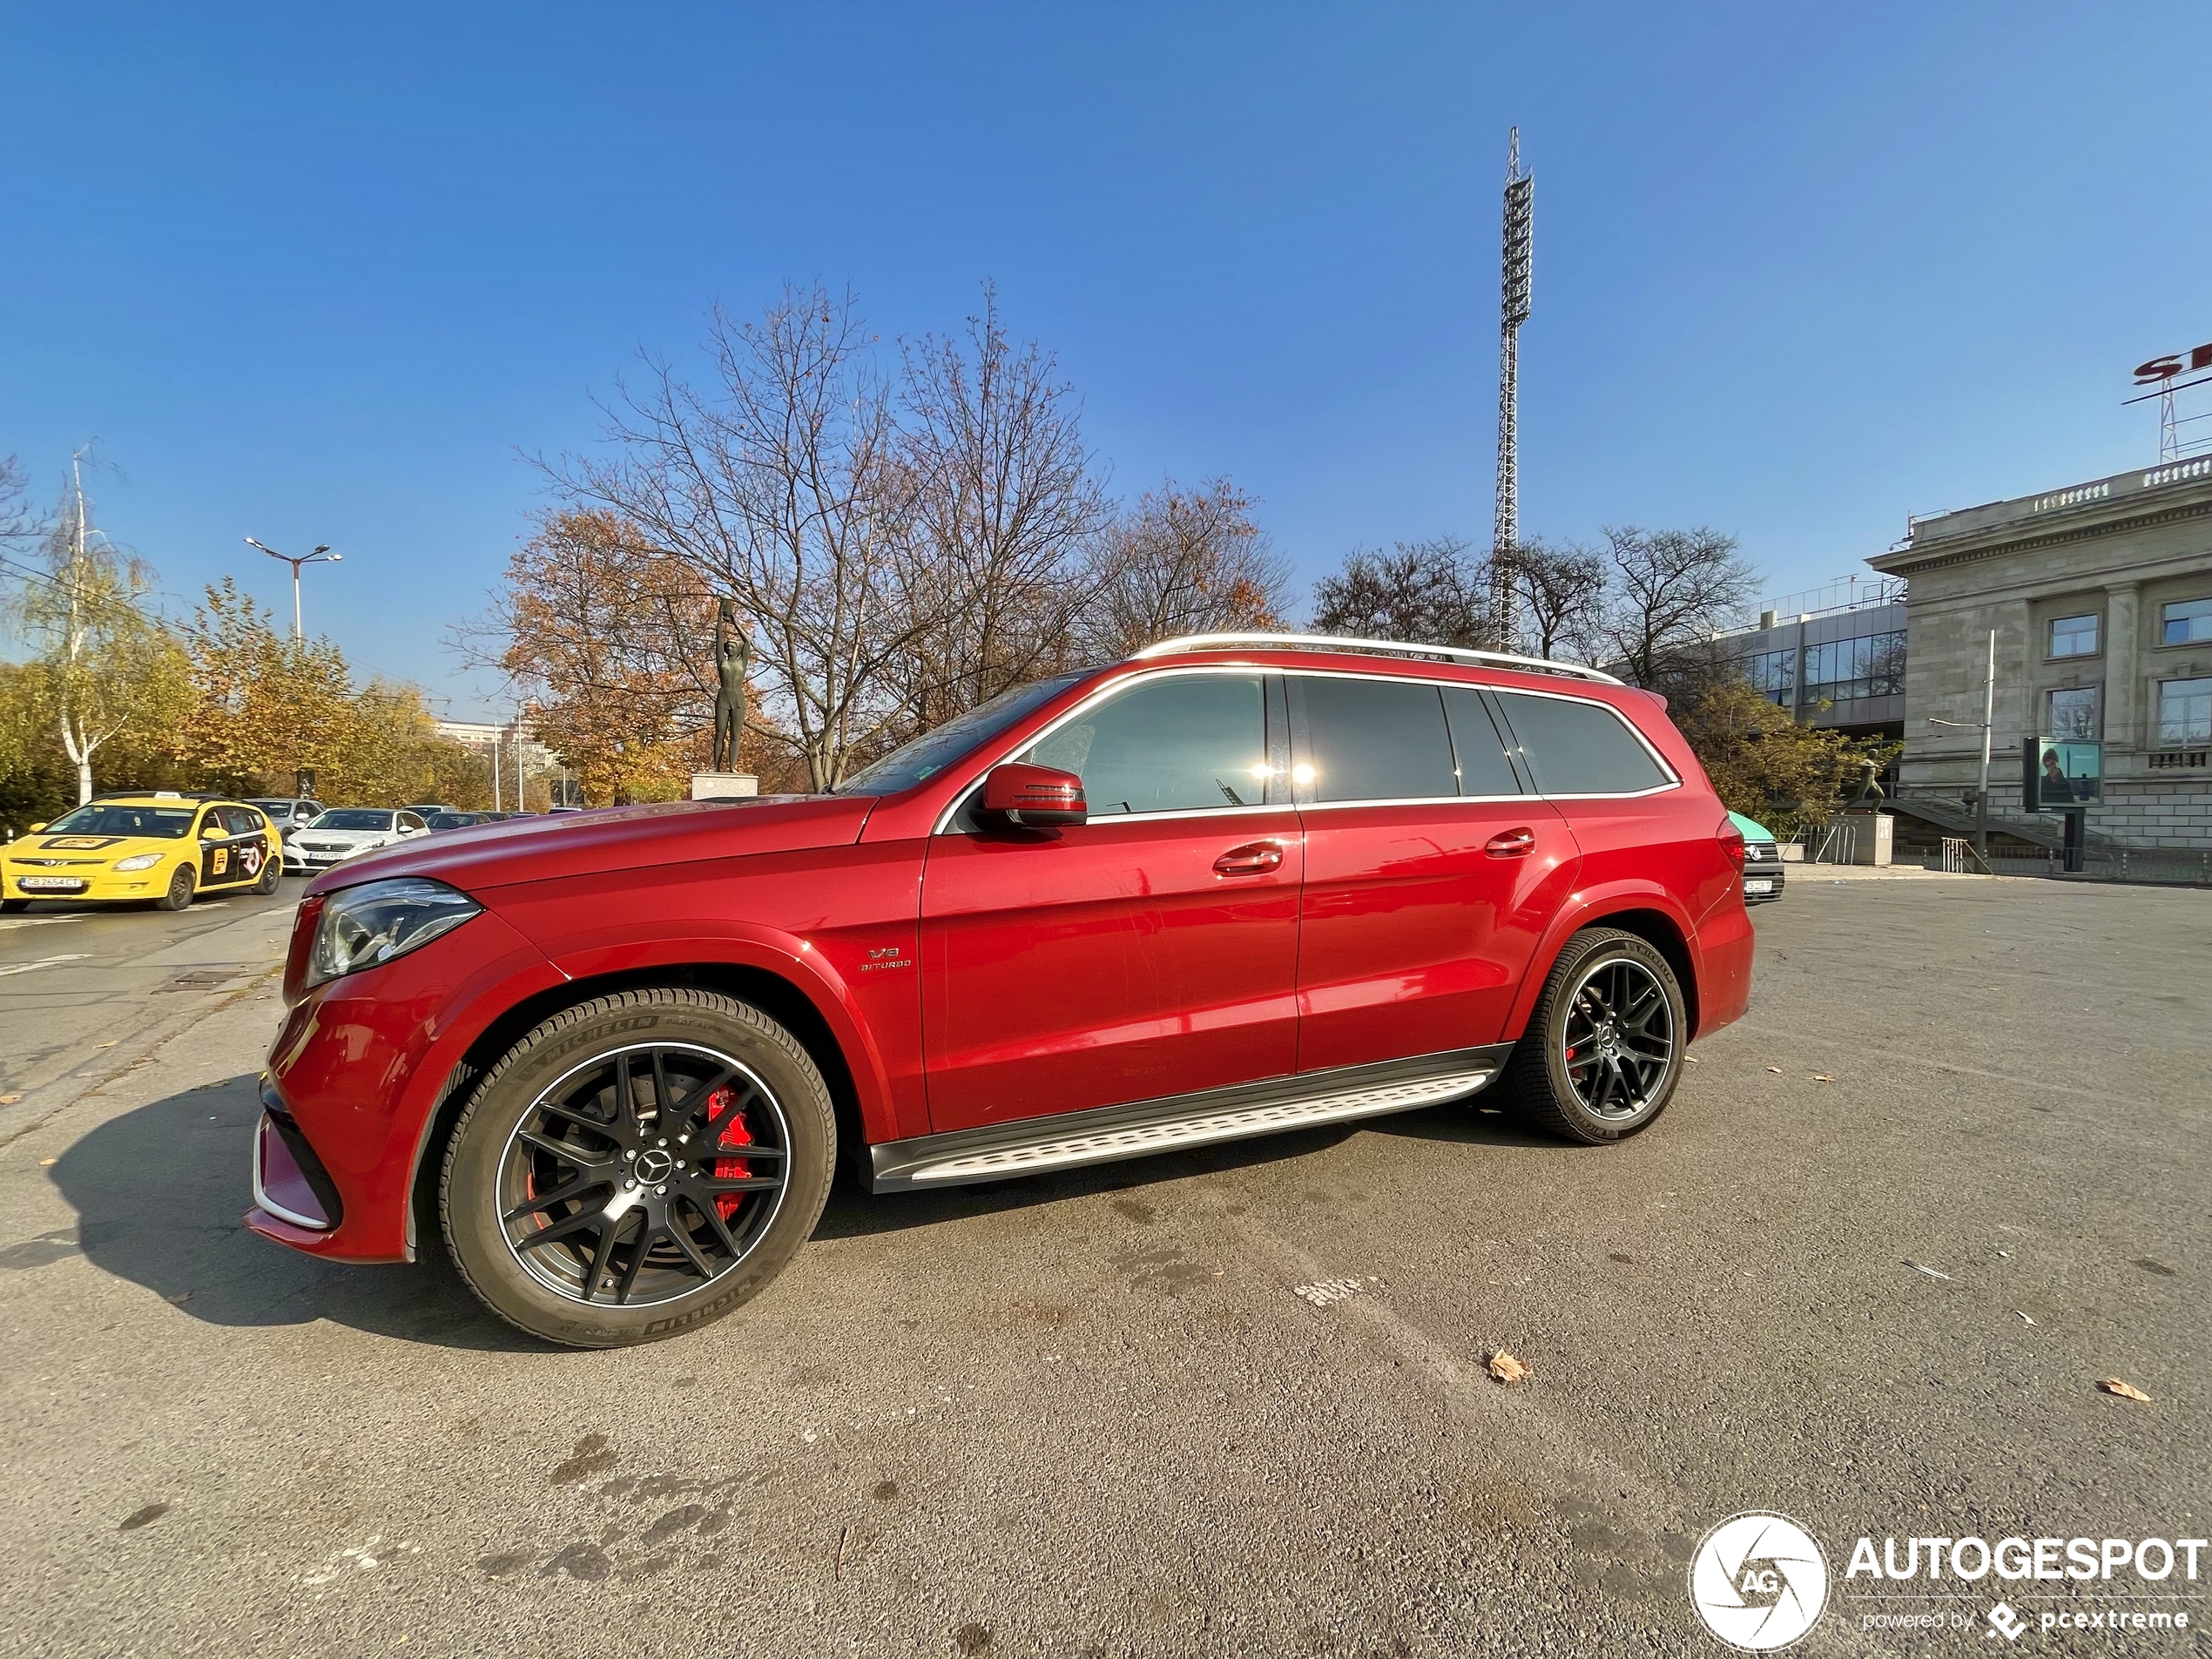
<point x="1799" y="271"/>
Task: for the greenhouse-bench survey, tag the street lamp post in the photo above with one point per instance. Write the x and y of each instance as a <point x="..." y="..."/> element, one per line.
<point x="1988" y="722"/>
<point x="322" y="555"/>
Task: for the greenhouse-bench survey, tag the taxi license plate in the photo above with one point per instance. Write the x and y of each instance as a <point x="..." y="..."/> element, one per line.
<point x="51" y="883"/>
<point x="1758" y="887"/>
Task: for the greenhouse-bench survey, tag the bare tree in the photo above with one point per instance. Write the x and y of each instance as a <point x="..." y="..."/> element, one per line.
<point x="1562" y="595"/>
<point x="1002" y="501"/>
<point x="1184" y="561"/>
<point x="1672" y="591"/>
<point x="779" y="484"/>
<point x="103" y="664"/>
<point x="1433" y="593"/>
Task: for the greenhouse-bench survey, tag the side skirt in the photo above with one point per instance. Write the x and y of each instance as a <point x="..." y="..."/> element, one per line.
<point x="1026" y="1146"/>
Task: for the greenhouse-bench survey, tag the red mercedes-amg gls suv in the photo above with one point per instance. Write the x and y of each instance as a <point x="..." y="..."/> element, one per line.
<point x="1236" y="884"/>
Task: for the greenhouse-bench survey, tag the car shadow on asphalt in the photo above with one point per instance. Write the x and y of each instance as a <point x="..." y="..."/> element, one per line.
<point x="160" y="1193"/>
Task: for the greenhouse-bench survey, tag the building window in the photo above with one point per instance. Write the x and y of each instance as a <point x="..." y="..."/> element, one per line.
<point x="2186" y="622"/>
<point x="2072" y="715"/>
<point x="2185" y="710"/>
<point x="1871" y="665"/>
<point x="2074" y="636"/>
<point x="1772" y="674"/>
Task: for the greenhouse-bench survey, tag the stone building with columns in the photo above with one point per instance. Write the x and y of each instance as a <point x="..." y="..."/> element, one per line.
<point x="2101" y="595"/>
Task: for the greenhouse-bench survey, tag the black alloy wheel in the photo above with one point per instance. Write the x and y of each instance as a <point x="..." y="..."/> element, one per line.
<point x="1603" y="1048"/>
<point x="637" y="1166"/>
<point x="181" y="887"/>
<point x="272" y="872"/>
<point x="1618" y="1044"/>
<point x="644" y="1175"/>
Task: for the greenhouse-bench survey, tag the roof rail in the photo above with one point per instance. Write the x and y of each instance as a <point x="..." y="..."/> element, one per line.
<point x="1335" y="642"/>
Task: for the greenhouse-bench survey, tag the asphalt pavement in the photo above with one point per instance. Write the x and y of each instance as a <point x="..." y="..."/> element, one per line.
<point x="1866" y="1271"/>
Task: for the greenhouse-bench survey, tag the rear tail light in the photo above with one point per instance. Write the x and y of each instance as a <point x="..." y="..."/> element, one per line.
<point x="1731" y="841"/>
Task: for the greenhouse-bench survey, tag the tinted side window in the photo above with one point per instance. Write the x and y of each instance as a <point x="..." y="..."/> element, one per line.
<point x="1484" y="769"/>
<point x="1175" y="744"/>
<point x="1377" y="739"/>
<point x="240" y="821"/>
<point x="1580" y="748"/>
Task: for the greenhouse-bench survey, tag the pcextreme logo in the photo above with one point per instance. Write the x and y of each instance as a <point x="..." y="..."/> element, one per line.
<point x="1759" y="1581"/>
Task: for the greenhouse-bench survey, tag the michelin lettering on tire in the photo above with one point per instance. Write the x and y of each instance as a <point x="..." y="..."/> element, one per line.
<point x="1759" y="1581"/>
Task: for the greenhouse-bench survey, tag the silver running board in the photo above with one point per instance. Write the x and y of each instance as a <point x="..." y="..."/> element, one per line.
<point x="1070" y="1140"/>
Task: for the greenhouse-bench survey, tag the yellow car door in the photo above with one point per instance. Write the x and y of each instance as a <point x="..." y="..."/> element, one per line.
<point x="219" y="863"/>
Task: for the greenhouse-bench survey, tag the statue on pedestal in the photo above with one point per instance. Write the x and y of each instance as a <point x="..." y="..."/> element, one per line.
<point x="733" y="658"/>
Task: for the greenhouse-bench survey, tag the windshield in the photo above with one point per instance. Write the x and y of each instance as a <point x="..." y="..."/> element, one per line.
<point x="352" y="817"/>
<point x="457" y="820"/>
<point x="933" y="751"/>
<point x="274" y="808"/>
<point x="169" y="823"/>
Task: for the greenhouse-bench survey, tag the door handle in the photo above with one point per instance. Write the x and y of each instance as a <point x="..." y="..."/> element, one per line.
<point x="1511" y="844"/>
<point x="1254" y="857"/>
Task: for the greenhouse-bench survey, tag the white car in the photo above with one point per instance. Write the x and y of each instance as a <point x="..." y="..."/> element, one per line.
<point x="342" y="832"/>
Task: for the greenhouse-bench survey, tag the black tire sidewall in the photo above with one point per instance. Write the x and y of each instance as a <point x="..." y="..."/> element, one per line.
<point x="467" y="1202"/>
<point x="1540" y="1071"/>
<point x="170" y="901"/>
<point x="271" y="872"/>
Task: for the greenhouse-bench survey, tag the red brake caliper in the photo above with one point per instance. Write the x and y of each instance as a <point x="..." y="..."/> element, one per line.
<point x="717" y="1104"/>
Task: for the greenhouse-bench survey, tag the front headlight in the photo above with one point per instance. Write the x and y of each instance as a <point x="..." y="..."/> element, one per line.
<point x="369" y="925"/>
<point x="139" y="862"/>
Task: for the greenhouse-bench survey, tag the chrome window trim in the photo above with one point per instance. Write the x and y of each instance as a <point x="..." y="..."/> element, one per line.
<point x="943" y="826"/>
<point x="1417" y="801"/>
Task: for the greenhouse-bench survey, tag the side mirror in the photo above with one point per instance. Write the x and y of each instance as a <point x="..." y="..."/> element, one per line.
<point x="1034" y="797"/>
<point x="34" y="829"/>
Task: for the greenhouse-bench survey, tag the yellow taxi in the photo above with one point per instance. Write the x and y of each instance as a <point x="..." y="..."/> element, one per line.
<point x="161" y="847"/>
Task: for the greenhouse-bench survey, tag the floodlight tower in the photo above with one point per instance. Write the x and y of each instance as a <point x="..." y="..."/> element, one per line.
<point x="1513" y="311"/>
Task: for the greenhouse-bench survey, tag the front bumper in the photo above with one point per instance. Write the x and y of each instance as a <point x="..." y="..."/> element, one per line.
<point x="1763" y="881"/>
<point x="355" y="1074"/>
<point x="94" y="886"/>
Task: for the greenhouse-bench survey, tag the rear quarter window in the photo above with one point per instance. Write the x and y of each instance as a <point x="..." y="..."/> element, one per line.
<point x="1576" y="748"/>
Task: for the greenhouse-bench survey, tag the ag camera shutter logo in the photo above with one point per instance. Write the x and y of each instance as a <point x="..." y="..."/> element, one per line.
<point x="1759" y="1581"/>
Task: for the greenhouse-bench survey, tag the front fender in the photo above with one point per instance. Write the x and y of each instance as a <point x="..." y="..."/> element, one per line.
<point x="789" y="958"/>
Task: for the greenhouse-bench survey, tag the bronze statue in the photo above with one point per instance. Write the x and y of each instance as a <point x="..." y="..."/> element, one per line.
<point x="732" y="657"/>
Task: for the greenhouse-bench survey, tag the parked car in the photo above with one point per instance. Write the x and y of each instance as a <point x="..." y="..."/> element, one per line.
<point x="1763" y="877"/>
<point x="426" y="810"/>
<point x="289" y="814"/>
<point x="342" y="833"/>
<point x="437" y="821"/>
<point x="150" y="848"/>
<point x="1234" y="884"/>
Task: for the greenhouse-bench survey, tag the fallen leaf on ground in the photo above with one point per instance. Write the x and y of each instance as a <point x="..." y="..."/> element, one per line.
<point x="110" y="1044"/>
<point x="1691" y="1058"/>
<point x="8" y="1100"/>
<point x="1777" y="1070"/>
<point x="2024" y="1316"/>
<point x="48" y="1163"/>
<point x="2126" y="1390"/>
<point x="1505" y="1368"/>
<point x="1930" y="1271"/>
<point x="1821" y="1078"/>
